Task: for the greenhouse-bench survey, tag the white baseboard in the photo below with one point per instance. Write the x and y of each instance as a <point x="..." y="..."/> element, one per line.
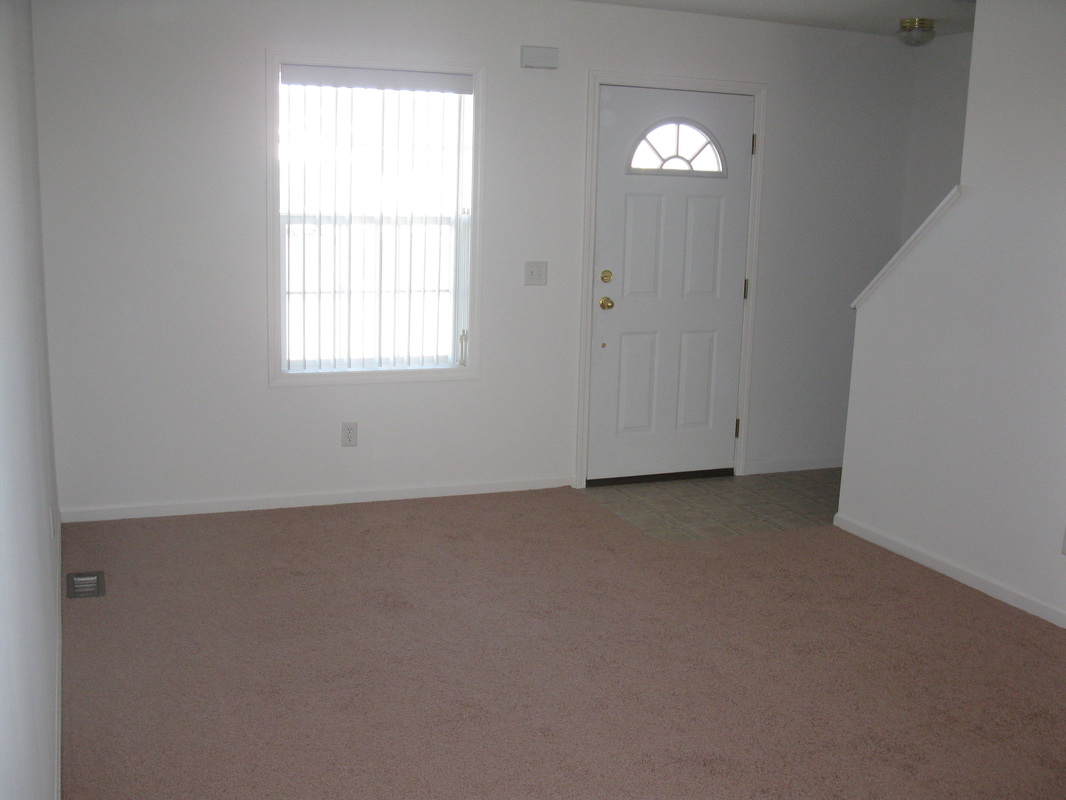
<point x="982" y="583"/>
<point x="750" y="467"/>
<point x="257" y="503"/>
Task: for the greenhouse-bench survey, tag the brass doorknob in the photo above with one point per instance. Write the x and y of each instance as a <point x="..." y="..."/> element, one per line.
<point x="606" y="303"/>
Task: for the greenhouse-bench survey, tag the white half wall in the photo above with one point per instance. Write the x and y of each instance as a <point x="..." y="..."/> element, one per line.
<point x="153" y="148"/>
<point x="29" y="542"/>
<point x="956" y="447"/>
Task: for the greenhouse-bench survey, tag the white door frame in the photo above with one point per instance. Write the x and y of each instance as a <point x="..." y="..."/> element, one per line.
<point x="596" y="80"/>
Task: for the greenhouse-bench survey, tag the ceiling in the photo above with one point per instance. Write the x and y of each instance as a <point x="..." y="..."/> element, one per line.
<point x="867" y="16"/>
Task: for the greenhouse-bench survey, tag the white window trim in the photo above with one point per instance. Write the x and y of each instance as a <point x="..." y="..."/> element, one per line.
<point x="276" y="349"/>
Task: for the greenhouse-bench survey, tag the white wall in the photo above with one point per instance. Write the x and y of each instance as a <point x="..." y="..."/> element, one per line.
<point x="153" y="147"/>
<point x="938" y="92"/>
<point x="830" y="218"/>
<point x="29" y="551"/>
<point x="956" y="447"/>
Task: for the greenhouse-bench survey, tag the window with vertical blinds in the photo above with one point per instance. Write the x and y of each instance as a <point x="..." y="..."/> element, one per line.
<point x="374" y="197"/>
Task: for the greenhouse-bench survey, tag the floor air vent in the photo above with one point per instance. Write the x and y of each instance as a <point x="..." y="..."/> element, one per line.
<point x="85" y="584"/>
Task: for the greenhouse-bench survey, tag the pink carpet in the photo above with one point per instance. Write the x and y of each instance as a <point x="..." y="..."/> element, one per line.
<point x="530" y="646"/>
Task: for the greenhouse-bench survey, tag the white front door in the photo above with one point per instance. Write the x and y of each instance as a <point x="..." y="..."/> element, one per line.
<point x="671" y="240"/>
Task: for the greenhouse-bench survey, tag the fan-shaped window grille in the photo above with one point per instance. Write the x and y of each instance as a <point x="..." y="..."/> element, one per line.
<point x="678" y="148"/>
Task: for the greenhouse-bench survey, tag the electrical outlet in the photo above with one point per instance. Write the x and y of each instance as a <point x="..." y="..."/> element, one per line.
<point x="349" y="434"/>
<point x="536" y="273"/>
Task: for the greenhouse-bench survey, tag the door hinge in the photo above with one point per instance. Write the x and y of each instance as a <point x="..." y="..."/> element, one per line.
<point x="736" y="430"/>
<point x="753" y="144"/>
<point x="463" y="338"/>
<point x="745" y="288"/>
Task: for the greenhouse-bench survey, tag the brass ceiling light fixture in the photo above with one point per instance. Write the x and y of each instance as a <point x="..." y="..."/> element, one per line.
<point x="916" y="32"/>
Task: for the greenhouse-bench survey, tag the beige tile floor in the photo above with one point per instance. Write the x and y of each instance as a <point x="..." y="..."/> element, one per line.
<point x="706" y="508"/>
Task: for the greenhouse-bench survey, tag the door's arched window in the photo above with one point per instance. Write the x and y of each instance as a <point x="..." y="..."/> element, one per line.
<point x="677" y="147"/>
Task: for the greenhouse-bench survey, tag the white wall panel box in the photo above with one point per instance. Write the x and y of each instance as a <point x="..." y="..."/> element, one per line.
<point x="540" y="57"/>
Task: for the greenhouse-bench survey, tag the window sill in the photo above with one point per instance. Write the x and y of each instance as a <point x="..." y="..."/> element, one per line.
<point x="284" y="378"/>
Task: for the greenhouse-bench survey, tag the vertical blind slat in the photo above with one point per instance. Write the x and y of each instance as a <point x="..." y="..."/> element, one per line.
<point x="304" y="316"/>
<point x="285" y="192"/>
<point x="405" y="267"/>
<point x="440" y="238"/>
<point x="350" y="248"/>
<point x="338" y="319"/>
<point x="320" y="238"/>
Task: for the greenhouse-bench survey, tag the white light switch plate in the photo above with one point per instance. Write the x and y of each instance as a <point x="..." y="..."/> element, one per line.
<point x="536" y="273"/>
